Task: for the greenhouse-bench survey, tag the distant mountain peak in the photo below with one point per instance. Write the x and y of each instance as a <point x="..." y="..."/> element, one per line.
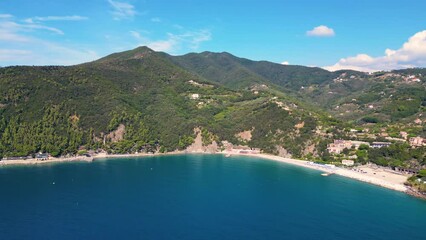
<point x="142" y="49"/>
<point x="137" y="53"/>
<point x="208" y="53"/>
<point x="141" y="52"/>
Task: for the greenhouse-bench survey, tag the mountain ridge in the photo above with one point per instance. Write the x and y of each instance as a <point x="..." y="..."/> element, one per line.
<point x="154" y="101"/>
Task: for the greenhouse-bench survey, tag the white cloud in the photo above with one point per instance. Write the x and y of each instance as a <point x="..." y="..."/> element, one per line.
<point x="11" y="30"/>
<point x="177" y="26"/>
<point x="56" y="18"/>
<point x="163" y="45"/>
<point x="46" y="53"/>
<point x="321" y="31"/>
<point x="285" y="63"/>
<point x="196" y="38"/>
<point x="56" y="54"/>
<point x="6" y="16"/>
<point x="38" y="26"/>
<point x="20" y="46"/>
<point x="9" y="36"/>
<point x="411" y="54"/>
<point x="156" y="19"/>
<point x="174" y="42"/>
<point x="122" y="10"/>
<point x="13" y="54"/>
<point x="136" y="35"/>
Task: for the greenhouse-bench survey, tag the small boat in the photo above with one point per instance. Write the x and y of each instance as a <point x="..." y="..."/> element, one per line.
<point x="326" y="174"/>
<point x="228" y="155"/>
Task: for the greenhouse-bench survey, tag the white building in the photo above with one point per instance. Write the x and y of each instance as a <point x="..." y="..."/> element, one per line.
<point x="417" y="141"/>
<point x="338" y="145"/>
<point x="348" y="162"/>
<point x="195" y="96"/>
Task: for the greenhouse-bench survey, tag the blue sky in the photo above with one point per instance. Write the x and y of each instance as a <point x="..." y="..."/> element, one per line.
<point x="332" y="34"/>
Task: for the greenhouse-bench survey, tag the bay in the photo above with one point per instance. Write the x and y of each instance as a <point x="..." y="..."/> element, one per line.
<point x="198" y="197"/>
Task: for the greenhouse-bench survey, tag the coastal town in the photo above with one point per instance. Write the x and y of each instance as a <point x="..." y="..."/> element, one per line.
<point x="339" y="146"/>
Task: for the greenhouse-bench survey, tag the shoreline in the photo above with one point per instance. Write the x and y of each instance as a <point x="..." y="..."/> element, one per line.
<point x="81" y="158"/>
<point x="396" y="183"/>
<point x="369" y="175"/>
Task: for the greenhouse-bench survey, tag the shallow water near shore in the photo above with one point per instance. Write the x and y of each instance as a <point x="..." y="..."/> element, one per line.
<point x="198" y="197"/>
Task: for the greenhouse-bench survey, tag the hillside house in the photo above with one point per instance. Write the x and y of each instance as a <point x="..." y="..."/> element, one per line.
<point x="407" y="170"/>
<point x="42" y="156"/>
<point x="417" y="142"/>
<point x="380" y="144"/>
<point x="338" y="145"/>
<point x="412" y="78"/>
<point x="195" y="96"/>
<point x="348" y="162"/>
<point x="356" y="144"/>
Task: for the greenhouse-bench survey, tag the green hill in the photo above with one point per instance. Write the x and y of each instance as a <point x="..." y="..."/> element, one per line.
<point x="222" y="68"/>
<point x="141" y="100"/>
<point x="389" y="97"/>
<point x="347" y="95"/>
<point x="235" y="72"/>
<point x="146" y="101"/>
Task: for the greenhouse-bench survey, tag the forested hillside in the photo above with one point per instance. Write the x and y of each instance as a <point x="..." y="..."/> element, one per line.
<point x="140" y="100"/>
<point x="145" y="101"/>
<point x="385" y="97"/>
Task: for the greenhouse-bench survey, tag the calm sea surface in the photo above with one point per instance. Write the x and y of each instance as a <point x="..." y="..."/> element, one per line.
<point x="198" y="197"/>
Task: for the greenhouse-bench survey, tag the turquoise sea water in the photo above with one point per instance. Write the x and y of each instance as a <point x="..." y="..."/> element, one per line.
<point x="198" y="197"/>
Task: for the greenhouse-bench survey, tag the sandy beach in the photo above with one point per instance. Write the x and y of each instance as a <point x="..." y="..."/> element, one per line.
<point x="365" y="173"/>
<point x="50" y="160"/>
<point x="82" y="158"/>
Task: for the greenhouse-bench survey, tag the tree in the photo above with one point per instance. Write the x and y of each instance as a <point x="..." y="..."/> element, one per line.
<point x="363" y="147"/>
<point x="345" y="151"/>
<point x="326" y="156"/>
<point x="422" y="173"/>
